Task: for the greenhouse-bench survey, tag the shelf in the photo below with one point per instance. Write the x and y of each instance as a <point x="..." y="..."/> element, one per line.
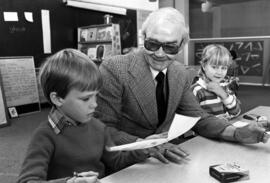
<point x="95" y="42"/>
<point x="100" y="41"/>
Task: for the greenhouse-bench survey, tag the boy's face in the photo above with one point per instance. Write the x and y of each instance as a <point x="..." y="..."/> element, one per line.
<point x="79" y="106"/>
<point x="216" y="73"/>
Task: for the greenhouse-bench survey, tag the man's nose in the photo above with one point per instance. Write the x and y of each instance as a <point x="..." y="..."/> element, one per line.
<point x="160" y="52"/>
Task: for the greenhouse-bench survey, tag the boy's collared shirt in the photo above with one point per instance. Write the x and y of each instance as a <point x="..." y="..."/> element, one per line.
<point x="58" y="121"/>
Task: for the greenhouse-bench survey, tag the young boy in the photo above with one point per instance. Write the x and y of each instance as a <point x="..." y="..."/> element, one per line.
<point x="211" y="91"/>
<point x="72" y="140"/>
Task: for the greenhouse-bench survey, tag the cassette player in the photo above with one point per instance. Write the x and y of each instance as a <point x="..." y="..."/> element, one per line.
<point x="229" y="172"/>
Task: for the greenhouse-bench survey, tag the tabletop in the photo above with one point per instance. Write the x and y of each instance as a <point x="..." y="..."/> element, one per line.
<point x="203" y="153"/>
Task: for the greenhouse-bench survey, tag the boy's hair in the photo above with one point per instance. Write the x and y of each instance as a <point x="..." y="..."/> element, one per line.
<point x="215" y="54"/>
<point x="69" y="69"/>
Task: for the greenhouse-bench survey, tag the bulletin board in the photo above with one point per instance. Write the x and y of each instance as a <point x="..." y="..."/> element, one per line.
<point x="19" y="85"/>
<point x="4" y="120"/>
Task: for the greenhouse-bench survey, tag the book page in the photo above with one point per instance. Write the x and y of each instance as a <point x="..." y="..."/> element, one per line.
<point x="179" y="126"/>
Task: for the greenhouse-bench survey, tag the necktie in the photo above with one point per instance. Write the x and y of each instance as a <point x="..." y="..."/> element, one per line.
<point x="160" y="97"/>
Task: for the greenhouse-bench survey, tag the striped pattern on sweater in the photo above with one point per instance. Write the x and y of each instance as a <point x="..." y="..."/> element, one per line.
<point x="213" y="104"/>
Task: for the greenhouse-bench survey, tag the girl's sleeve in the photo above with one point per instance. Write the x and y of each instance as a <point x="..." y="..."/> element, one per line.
<point x="232" y="105"/>
<point x="196" y="90"/>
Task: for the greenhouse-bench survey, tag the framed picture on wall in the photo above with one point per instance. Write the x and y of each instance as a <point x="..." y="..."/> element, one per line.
<point x="4" y="120"/>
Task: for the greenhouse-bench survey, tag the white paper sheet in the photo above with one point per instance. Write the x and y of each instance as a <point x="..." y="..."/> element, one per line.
<point x="46" y="31"/>
<point x="28" y="16"/>
<point x="11" y="16"/>
<point x="179" y="126"/>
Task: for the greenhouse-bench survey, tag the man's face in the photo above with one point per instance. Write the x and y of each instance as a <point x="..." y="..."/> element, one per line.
<point x="158" y="54"/>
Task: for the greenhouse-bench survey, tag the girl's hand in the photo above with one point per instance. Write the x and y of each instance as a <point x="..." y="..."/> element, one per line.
<point x="217" y="89"/>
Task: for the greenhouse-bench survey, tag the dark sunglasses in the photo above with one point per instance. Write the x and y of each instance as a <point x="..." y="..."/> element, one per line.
<point x="169" y="48"/>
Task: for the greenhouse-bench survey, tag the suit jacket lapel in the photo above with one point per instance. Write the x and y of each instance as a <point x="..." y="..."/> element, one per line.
<point x="143" y="87"/>
<point x="174" y="95"/>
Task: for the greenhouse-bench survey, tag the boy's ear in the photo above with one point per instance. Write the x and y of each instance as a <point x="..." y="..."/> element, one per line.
<point x="56" y="100"/>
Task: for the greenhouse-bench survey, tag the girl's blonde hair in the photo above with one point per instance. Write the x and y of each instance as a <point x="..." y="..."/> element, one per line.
<point x="215" y="54"/>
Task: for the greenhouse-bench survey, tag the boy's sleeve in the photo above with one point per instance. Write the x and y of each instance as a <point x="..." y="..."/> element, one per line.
<point x="35" y="164"/>
<point x="117" y="160"/>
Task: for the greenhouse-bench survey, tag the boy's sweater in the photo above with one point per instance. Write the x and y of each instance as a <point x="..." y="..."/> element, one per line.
<point x="75" y="149"/>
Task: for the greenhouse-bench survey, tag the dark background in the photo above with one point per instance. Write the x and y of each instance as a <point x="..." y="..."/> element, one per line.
<point x="24" y="38"/>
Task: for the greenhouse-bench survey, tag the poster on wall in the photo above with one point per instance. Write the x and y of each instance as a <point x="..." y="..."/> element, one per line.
<point x="19" y="85"/>
<point x="4" y="120"/>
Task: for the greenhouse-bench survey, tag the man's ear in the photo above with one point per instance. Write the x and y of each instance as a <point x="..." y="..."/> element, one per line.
<point x="56" y="100"/>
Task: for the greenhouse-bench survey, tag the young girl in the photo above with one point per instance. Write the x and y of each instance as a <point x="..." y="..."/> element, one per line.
<point x="211" y="90"/>
<point x="72" y="140"/>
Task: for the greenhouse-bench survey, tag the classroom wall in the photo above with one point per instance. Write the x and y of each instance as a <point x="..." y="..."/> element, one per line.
<point x="235" y="19"/>
<point x="24" y="38"/>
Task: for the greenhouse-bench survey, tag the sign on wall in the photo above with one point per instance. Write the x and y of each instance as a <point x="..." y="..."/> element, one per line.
<point x="4" y="121"/>
<point x="20" y="85"/>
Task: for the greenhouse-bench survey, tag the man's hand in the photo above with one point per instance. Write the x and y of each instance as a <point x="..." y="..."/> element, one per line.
<point x="158" y="136"/>
<point x="84" y="177"/>
<point x="253" y="133"/>
<point x="168" y="153"/>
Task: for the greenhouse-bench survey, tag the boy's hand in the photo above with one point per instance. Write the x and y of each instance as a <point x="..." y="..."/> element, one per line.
<point x="217" y="89"/>
<point x="84" y="177"/>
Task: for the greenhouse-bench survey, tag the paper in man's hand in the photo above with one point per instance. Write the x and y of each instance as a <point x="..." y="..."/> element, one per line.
<point x="179" y="126"/>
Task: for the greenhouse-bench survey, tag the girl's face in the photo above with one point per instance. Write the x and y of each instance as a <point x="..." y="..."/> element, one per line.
<point x="215" y="73"/>
<point x="79" y="106"/>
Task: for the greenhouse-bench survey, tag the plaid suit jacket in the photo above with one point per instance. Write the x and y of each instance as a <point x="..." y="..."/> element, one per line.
<point x="127" y="101"/>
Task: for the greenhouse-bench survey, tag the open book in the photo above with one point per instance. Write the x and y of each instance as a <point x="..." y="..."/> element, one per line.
<point x="179" y="126"/>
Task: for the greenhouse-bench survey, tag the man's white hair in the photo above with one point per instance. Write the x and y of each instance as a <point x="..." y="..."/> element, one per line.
<point x="166" y="15"/>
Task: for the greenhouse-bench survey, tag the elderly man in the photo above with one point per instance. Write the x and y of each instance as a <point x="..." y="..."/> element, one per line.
<point x="144" y="89"/>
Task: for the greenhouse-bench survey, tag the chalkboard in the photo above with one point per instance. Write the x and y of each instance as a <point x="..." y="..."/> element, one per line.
<point x="249" y="55"/>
